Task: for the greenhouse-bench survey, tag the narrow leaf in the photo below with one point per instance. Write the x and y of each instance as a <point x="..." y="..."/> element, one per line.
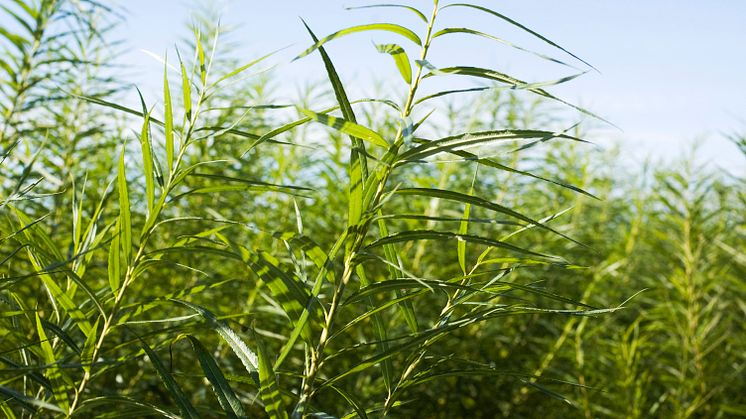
<point x="400" y="58"/>
<point x="270" y="389"/>
<point x="347" y="127"/>
<point x="226" y="397"/>
<point x="388" y="27"/>
<point x="185" y="406"/>
<point x="514" y="23"/>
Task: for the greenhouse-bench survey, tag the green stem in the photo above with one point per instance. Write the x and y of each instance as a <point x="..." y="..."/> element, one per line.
<point x="317" y="355"/>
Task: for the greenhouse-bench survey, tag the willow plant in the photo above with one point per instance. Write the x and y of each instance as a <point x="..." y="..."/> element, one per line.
<point x="352" y="315"/>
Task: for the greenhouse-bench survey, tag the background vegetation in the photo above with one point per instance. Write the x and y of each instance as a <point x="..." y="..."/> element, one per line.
<point x="457" y="254"/>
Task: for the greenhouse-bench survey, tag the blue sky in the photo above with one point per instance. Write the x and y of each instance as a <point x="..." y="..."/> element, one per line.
<point x="672" y="72"/>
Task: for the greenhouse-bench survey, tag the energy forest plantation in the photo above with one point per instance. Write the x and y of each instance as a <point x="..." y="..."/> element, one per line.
<point x="450" y="247"/>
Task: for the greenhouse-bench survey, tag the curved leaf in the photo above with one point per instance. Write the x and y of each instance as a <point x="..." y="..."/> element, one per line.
<point x="401" y="6"/>
<point x="514" y="23"/>
<point x="400" y="58"/>
<point x="185" y="406"/>
<point x="447" y="31"/>
<point x="223" y="391"/>
<point x="463" y="198"/>
<point x="347" y="127"/>
<point x="388" y="27"/>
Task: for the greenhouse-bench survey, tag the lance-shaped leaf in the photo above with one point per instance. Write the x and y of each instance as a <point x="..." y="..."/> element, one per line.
<point x="269" y="388"/>
<point x="125" y="219"/>
<point x="114" y="265"/>
<point x="472" y="139"/>
<point x="519" y="25"/>
<point x="400" y="58"/>
<point x="168" y="122"/>
<point x="480" y="202"/>
<point x="186" y="90"/>
<point x="388" y="27"/>
<point x="515" y="83"/>
<point x="413" y="235"/>
<point x="399" y="6"/>
<point x="447" y="31"/>
<point x="226" y="397"/>
<point x="29" y="403"/>
<point x="185" y="406"/>
<point x="358" y="167"/>
<point x="147" y="163"/>
<point x="347" y="127"/>
<point x="248" y="358"/>
<point x="59" y="381"/>
<point x="289" y="292"/>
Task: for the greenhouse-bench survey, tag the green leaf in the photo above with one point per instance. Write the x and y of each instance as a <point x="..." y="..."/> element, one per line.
<point x="496" y="165"/>
<point x="392" y="256"/>
<point x="356" y="405"/>
<point x="185" y="406"/>
<point x="470" y="139"/>
<point x="347" y="127"/>
<point x="226" y="397"/>
<point x="379" y="327"/>
<point x="388" y="27"/>
<point x="516" y="24"/>
<point x="270" y="389"/>
<point x="147" y="163"/>
<point x="59" y="381"/>
<point x="463" y="198"/>
<point x="86" y="355"/>
<point x="59" y="297"/>
<point x="200" y="57"/>
<point x="514" y="83"/>
<point x="324" y="262"/>
<point x="413" y="235"/>
<point x="244" y="67"/>
<point x="186" y="90"/>
<point x="409" y="284"/>
<point x="125" y="219"/>
<point x="118" y="404"/>
<point x="168" y="122"/>
<point x="358" y="167"/>
<point x="29" y="403"/>
<point x="447" y="31"/>
<point x="248" y="358"/>
<point x="464" y="228"/>
<point x="113" y="267"/>
<point x="290" y="293"/>
<point x="401" y="6"/>
<point x="400" y="58"/>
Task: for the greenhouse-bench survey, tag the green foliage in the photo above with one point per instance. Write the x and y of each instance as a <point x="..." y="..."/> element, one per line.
<point x="433" y="256"/>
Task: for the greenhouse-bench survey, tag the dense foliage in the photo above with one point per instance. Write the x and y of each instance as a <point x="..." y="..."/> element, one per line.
<point x="425" y="253"/>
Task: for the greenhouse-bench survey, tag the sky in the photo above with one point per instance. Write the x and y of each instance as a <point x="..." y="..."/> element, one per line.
<point x="671" y="72"/>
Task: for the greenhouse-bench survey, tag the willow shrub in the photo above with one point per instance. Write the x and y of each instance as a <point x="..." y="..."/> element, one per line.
<point x="367" y="257"/>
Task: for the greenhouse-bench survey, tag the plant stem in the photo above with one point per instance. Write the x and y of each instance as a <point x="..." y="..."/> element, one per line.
<point x="317" y="355"/>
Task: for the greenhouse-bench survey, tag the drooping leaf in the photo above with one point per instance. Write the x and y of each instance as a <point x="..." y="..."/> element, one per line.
<point x="463" y="198"/>
<point x="469" y="31"/>
<point x="347" y="127"/>
<point x="358" y="167"/>
<point x="400" y="6"/>
<point x="400" y="58"/>
<point x="517" y="24"/>
<point x="495" y="75"/>
<point x="182" y="401"/>
<point x="226" y="397"/>
<point x="248" y="358"/>
<point x="388" y="27"/>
